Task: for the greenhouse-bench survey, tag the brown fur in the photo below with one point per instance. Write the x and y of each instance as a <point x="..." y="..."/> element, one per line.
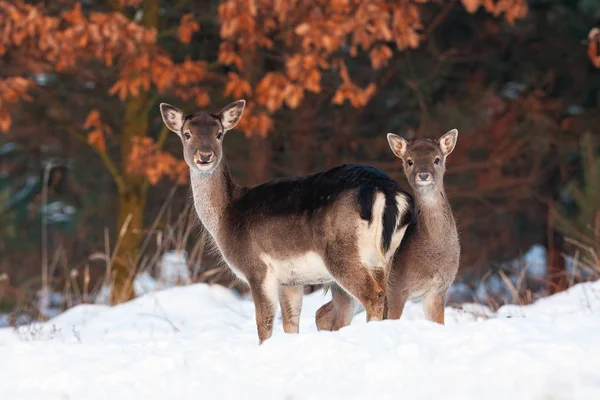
<point x="427" y="260"/>
<point x="285" y="234"/>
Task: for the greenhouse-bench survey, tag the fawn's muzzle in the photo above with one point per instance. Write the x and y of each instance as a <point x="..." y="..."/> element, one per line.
<point x="201" y="157"/>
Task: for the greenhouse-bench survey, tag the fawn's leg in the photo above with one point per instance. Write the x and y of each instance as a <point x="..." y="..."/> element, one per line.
<point x="396" y="302"/>
<point x="337" y="313"/>
<point x="433" y="305"/>
<point x="290" y="300"/>
<point x="264" y="294"/>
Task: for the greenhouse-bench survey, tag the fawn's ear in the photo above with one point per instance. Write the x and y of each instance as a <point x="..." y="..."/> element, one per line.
<point x="231" y="114"/>
<point x="172" y="117"/>
<point x="448" y="141"/>
<point x="397" y="144"/>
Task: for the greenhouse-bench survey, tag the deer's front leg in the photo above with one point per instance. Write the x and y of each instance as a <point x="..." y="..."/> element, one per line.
<point x="264" y="295"/>
<point x="290" y="300"/>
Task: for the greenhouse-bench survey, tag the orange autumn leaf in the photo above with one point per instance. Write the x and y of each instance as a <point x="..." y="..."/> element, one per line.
<point x="5" y="120"/>
<point x="237" y="87"/>
<point x="293" y="95"/>
<point x="380" y="56"/>
<point x="92" y="119"/>
<point x="12" y="90"/>
<point x="96" y="139"/>
<point x="187" y="27"/>
<point x="302" y="29"/>
<point x="202" y="99"/>
<point x="471" y="5"/>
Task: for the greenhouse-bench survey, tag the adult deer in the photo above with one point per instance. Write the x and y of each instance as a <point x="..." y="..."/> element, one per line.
<point x="342" y="225"/>
<point x="426" y="261"/>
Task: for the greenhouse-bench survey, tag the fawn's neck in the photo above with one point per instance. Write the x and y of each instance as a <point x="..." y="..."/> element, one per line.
<point x="435" y="215"/>
<point x="212" y="194"/>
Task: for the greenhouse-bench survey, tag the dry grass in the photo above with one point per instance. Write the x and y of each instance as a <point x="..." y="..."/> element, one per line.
<point x="81" y="282"/>
<point x="523" y="289"/>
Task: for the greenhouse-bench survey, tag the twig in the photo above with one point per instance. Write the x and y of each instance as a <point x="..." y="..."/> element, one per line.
<point x="175" y="329"/>
<point x="108" y="163"/>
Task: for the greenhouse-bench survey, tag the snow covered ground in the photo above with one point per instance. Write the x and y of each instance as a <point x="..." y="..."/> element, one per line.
<point x="200" y="342"/>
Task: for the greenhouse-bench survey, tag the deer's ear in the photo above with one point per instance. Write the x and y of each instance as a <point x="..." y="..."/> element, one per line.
<point x="397" y="144"/>
<point x="172" y="117"/>
<point x="448" y="141"/>
<point x="231" y="114"/>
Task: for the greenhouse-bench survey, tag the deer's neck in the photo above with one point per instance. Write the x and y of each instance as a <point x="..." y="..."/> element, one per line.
<point x="212" y="194"/>
<point x="435" y="215"/>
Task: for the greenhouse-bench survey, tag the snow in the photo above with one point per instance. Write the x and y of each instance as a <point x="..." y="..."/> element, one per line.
<point x="173" y="268"/>
<point x="200" y="341"/>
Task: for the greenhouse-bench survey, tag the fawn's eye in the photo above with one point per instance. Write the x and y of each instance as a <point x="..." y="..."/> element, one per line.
<point x="219" y="135"/>
<point x="437" y="161"/>
<point x="410" y="162"/>
<point x="187" y="136"/>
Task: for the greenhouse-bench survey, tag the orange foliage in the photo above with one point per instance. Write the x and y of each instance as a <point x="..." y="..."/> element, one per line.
<point x="187" y="27"/>
<point x="145" y="159"/>
<point x="98" y="129"/>
<point x="308" y="37"/>
<point x="96" y="139"/>
<point x="310" y="33"/>
<point x="512" y="9"/>
<point x="255" y="122"/>
<point x="65" y="42"/>
<point x="237" y="87"/>
<point x="12" y="90"/>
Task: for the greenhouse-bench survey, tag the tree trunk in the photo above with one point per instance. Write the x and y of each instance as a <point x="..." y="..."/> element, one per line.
<point x="302" y="149"/>
<point x="259" y="159"/>
<point x="132" y="196"/>
<point x="555" y="262"/>
<point x="259" y="148"/>
<point x="132" y="200"/>
<point x="131" y="214"/>
<point x="557" y="271"/>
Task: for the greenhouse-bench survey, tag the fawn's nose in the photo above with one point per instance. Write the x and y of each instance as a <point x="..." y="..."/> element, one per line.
<point x="203" y="157"/>
<point x="424" y="176"/>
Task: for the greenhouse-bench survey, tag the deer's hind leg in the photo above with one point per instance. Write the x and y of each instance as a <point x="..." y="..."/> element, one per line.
<point x="343" y="262"/>
<point x="290" y="300"/>
<point x="337" y="313"/>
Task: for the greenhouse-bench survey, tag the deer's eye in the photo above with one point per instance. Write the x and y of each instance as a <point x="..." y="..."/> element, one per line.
<point x="410" y="162"/>
<point x="437" y="161"/>
<point x="187" y="136"/>
<point x="219" y="135"/>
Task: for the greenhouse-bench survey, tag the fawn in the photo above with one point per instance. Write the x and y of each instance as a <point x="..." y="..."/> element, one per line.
<point x="427" y="259"/>
<point x="342" y="225"/>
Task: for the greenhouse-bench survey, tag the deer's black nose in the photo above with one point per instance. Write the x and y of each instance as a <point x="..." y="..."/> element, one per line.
<point x="424" y="176"/>
<point x="205" y="157"/>
<point x="202" y="157"/>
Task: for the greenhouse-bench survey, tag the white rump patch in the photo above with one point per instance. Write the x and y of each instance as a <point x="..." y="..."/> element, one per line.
<point x="301" y="270"/>
<point x="369" y="236"/>
<point x="403" y="206"/>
